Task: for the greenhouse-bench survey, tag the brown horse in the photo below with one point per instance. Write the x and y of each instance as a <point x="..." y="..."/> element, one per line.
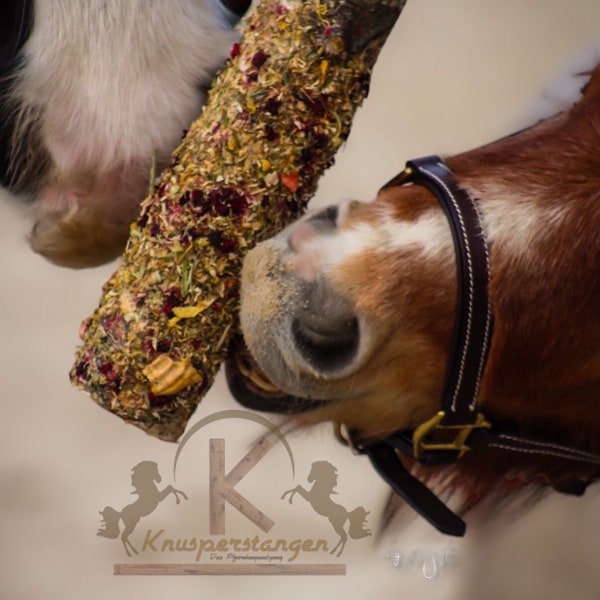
<point x="355" y="306"/>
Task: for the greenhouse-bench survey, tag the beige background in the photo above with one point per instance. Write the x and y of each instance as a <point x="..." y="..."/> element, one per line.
<point x="454" y="74"/>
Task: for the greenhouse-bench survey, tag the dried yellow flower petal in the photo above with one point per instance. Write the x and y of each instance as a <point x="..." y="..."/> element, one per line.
<point x="324" y="67"/>
<point x="188" y="312"/>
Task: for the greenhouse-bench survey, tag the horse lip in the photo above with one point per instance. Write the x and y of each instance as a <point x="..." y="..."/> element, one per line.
<point x="246" y="394"/>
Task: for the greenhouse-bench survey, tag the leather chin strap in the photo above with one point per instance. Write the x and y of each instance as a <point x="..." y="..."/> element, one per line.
<point x="443" y="439"/>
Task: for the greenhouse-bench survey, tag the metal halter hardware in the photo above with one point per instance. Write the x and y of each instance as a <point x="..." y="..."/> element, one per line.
<point x="422" y="445"/>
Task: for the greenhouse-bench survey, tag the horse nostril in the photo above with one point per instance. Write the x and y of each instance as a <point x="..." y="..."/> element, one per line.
<point x="325" y="220"/>
<point x="327" y="346"/>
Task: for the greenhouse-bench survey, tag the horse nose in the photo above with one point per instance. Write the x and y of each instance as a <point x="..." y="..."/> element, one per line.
<point x="322" y="223"/>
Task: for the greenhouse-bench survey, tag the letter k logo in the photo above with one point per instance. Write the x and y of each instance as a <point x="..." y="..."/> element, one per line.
<point x="222" y="486"/>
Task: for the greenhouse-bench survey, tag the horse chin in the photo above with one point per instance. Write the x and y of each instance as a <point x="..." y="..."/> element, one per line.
<point x="305" y="335"/>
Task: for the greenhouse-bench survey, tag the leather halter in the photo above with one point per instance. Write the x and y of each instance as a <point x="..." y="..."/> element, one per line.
<point x="444" y="438"/>
<point x="473" y="324"/>
<point x="459" y="417"/>
<point x="471" y="339"/>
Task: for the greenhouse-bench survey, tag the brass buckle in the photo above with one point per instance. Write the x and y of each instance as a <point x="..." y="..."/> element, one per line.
<point x="421" y="445"/>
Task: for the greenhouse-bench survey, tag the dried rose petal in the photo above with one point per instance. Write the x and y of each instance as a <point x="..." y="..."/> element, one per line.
<point x="259" y="59"/>
<point x="235" y="50"/>
<point x="272" y="106"/>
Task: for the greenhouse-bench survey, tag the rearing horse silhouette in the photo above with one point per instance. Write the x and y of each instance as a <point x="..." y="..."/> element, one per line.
<point x="144" y="477"/>
<point x="324" y="475"/>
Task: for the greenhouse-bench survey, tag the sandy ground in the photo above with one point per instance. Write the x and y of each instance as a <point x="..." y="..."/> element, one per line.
<point x="454" y="74"/>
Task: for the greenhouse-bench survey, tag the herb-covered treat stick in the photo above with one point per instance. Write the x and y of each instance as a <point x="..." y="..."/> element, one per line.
<point x="274" y="119"/>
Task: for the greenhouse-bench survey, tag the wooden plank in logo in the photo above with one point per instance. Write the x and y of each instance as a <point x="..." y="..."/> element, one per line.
<point x="229" y="569"/>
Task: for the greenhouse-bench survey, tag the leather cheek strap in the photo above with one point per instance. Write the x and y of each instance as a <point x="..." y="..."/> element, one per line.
<point x="473" y="324"/>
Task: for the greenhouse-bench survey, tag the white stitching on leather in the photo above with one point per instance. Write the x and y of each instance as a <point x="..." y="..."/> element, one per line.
<point x="470" y="290"/>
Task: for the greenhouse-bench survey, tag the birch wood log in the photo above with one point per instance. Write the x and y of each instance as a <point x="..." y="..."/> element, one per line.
<point x="274" y="119"/>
